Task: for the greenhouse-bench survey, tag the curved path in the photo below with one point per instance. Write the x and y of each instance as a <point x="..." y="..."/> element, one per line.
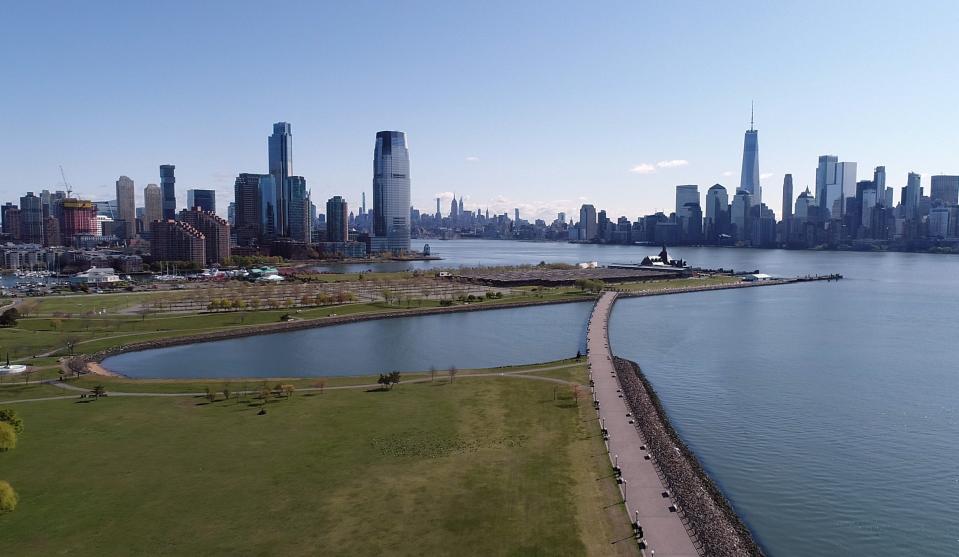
<point x="518" y="374"/>
<point x="641" y="488"/>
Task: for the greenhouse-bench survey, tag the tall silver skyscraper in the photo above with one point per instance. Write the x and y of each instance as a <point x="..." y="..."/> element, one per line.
<point x="168" y="190"/>
<point x="912" y="195"/>
<point x="787" y="196"/>
<point x="281" y="168"/>
<point x="391" y="192"/>
<point x="297" y="209"/>
<point x="749" y="179"/>
<point x="717" y="201"/>
<point x="835" y="181"/>
<point x="945" y="189"/>
<point x="126" y="206"/>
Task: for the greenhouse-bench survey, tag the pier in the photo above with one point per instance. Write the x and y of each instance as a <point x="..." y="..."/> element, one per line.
<point x="659" y="526"/>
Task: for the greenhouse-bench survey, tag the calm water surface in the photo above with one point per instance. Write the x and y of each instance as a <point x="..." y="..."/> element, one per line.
<point x="827" y="412"/>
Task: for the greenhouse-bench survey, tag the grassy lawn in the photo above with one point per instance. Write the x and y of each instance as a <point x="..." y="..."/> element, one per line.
<point x="491" y="466"/>
<point x="20" y="391"/>
<point x="677" y="283"/>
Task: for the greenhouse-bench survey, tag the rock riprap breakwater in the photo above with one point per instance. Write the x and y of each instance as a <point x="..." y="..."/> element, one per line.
<point x="706" y="511"/>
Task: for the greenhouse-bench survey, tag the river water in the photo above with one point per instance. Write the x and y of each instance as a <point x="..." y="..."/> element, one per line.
<point x="827" y="412"/>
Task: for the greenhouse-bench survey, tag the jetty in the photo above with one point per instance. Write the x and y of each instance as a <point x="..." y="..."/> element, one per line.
<point x="658" y="527"/>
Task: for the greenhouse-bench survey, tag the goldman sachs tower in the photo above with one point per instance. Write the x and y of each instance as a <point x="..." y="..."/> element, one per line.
<point x="391" y="193"/>
<point x="749" y="180"/>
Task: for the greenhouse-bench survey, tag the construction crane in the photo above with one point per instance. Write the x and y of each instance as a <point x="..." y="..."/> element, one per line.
<point x="65" y="183"/>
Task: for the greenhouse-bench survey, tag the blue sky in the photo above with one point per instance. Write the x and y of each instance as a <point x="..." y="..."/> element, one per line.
<point x="536" y="105"/>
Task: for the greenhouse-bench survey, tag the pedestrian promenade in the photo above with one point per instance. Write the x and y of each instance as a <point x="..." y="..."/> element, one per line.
<point x="640" y="485"/>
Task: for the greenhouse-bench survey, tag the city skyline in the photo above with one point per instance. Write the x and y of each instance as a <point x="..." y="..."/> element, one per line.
<point x="633" y="127"/>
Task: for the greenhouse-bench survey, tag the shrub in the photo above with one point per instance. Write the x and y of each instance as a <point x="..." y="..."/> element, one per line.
<point x="9" y="318"/>
<point x="8" y="437"/>
<point x="8" y="498"/>
<point x="9" y="416"/>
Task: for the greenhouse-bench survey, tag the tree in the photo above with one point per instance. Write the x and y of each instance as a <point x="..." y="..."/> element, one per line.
<point x="288" y="390"/>
<point x="432" y="373"/>
<point x="70" y="342"/>
<point x="8" y="415"/>
<point x="452" y="372"/>
<point x="8" y="437"/>
<point x="210" y="394"/>
<point x="389" y="379"/>
<point x="321" y="385"/>
<point x="8" y="498"/>
<point x="77" y="365"/>
<point x="98" y="391"/>
<point x="9" y="318"/>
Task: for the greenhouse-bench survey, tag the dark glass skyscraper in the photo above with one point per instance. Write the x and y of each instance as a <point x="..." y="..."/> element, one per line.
<point x="749" y="179"/>
<point x="204" y="199"/>
<point x="281" y="167"/>
<point x="391" y="193"/>
<point x="298" y="209"/>
<point x="168" y="191"/>
<point x="337" y="220"/>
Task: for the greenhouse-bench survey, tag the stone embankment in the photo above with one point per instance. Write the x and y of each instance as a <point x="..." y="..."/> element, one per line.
<point x="706" y="512"/>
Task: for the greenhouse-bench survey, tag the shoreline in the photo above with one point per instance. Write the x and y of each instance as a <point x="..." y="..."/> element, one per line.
<point x="707" y="512"/>
<point x="273" y="328"/>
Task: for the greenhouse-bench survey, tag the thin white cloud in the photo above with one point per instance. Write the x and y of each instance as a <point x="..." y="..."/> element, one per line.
<point x="728" y="173"/>
<point x="644" y="168"/>
<point x="672" y="164"/>
<point x="765" y="175"/>
<point x="472" y="159"/>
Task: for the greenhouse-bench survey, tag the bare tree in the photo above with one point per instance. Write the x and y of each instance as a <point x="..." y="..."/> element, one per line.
<point x="432" y="373"/>
<point x="452" y="373"/>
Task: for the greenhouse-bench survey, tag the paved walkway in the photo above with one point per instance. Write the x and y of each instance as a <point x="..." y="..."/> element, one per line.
<point x="517" y="374"/>
<point x="642" y="489"/>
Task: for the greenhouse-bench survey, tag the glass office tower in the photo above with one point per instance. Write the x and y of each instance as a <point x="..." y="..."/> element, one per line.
<point x="168" y="191"/>
<point x="391" y="193"/>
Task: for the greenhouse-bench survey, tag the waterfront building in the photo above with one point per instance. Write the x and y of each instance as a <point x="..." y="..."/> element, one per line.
<point x="204" y="199"/>
<point x="126" y="207"/>
<point x="215" y="230"/>
<point x="912" y="196"/>
<point x="247" y="213"/>
<point x="297" y="209"/>
<point x="835" y="181"/>
<point x="739" y="215"/>
<point x="749" y="178"/>
<point x="177" y="241"/>
<point x="337" y="220"/>
<point x="945" y="189"/>
<point x="168" y="191"/>
<point x="152" y="205"/>
<point x="803" y="204"/>
<point x="11" y="221"/>
<point x="787" y="197"/>
<point x="281" y="167"/>
<point x="31" y="219"/>
<point x="391" y="193"/>
<point x="717" y="212"/>
<point x="588" y="224"/>
<point x="685" y="195"/>
<point x="77" y="217"/>
<point x="51" y="232"/>
<point x="939" y="221"/>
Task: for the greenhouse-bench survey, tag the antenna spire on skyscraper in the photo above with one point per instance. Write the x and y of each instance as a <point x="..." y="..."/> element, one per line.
<point x="752" y="113"/>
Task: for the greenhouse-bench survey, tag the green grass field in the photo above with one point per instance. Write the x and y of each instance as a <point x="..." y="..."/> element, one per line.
<point x="483" y="466"/>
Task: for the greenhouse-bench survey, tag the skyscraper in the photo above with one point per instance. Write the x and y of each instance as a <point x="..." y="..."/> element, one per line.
<point x="391" y="192"/>
<point x="268" y="207"/>
<point x="297" y="209"/>
<point x="168" y="189"/>
<point x="749" y="179"/>
<point x="246" y="215"/>
<point x="835" y="181"/>
<point x="787" y="196"/>
<point x="177" y="241"/>
<point x="684" y="195"/>
<point x="717" y="205"/>
<point x="879" y="178"/>
<point x="31" y="219"/>
<point x="152" y="205"/>
<point x="126" y="206"/>
<point x="204" y="199"/>
<point x="281" y="167"/>
<point x="588" y="226"/>
<point x="337" y="220"/>
<point x="911" y="196"/>
<point x="945" y="189"/>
